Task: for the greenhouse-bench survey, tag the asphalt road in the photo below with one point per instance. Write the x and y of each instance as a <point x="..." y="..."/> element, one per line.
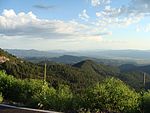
<point x="13" y="109"/>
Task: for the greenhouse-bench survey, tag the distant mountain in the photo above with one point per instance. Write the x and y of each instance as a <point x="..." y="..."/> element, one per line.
<point x="66" y="59"/>
<point x="70" y="59"/>
<point x="133" y="68"/>
<point x="56" y="73"/>
<point x="78" y="76"/>
<point x="141" y="57"/>
<point x="111" y="54"/>
<point x="99" y="69"/>
<point x="116" y="56"/>
<point x="127" y="54"/>
<point x="34" y="53"/>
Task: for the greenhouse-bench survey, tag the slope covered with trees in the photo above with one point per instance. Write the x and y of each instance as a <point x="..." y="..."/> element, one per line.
<point x="77" y="76"/>
<point x="84" y="87"/>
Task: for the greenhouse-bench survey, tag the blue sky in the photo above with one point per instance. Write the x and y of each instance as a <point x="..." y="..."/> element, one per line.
<point x="75" y="24"/>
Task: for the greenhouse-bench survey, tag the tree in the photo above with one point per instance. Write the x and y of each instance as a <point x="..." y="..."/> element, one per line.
<point x="112" y="95"/>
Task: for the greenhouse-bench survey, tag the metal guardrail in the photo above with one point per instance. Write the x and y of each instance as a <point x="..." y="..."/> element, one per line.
<point x="28" y="109"/>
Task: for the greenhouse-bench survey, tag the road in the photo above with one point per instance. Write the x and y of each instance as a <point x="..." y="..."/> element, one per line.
<point x="13" y="109"/>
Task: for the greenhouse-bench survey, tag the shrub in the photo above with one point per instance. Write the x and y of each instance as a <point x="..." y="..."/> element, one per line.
<point x="64" y="98"/>
<point x="7" y="85"/>
<point x="50" y="98"/>
<point x="146" y="102"/>
<point x="1" y="98"/>
<point x="44" y="99"/>
<point x="112" y="95"/>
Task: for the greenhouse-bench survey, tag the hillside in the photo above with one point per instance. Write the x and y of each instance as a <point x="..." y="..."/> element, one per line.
<point x="77" y="76"/>
<point x="56" y="73"/>
<point x="95" y="68"/>
<point x="132" y="68"/>
<point x="66" y="59"/>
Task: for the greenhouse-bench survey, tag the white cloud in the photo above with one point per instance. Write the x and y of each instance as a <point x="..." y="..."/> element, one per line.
<point x="27" y="25"/>
<point x="95" y="2"/>
<point x="147" y="28"/>
<point x="99" y="2"/>
<point x="121" y="16"/>
<point x="142" y="28"/>
<point x="140" y="6"/>
<point x="84" y="15"/>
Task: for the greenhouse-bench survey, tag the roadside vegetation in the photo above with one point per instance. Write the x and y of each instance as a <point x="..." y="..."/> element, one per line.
<point x="1" y="98"/>
<point x="111" y="95"/>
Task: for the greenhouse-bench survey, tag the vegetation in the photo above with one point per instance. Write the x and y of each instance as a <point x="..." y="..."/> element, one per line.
<point x="84" y="87"/>
<point x="1" y="98"/>
<point x="146" y="102"/>
<point x="34" y="93"/>
<point x="78" y="76"/>
<point x="112" y="95"/>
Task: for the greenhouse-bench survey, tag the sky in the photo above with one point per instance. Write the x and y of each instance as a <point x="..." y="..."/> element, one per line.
<point x="75" y="24"/>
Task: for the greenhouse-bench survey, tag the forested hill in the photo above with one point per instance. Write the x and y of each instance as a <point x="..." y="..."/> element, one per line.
<point x="56" y="73"/>
<point x="77" y="76"/>
<point x="132" y="67"/>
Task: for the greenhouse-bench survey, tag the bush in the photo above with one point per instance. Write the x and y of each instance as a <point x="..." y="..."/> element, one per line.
<point x="17" y="90"/>
<point x="1" y="98"/>
<point x="44" y="99"/>
<point x="112" y="95"/>
<point x="146" y="102"/>
<point x="30" y="88"/>
<point x="8" y="86"/>
<point x="53" y="99"/>
<point x="35" y="94"/>
<point x="64" y="98"/>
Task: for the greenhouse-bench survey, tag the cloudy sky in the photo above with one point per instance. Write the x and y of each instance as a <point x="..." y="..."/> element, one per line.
<point x="75" y="24"/>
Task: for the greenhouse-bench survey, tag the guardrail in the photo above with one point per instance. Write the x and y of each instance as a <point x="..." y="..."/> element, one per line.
<point x="28" y="109"/>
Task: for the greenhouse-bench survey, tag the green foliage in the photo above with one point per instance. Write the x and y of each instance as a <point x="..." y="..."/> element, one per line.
<point x="64" y="97"/>
<point x="1" y="98"/>
<point x="112" y="95"/>
<point x="146" y="102"/>
<point x="78" y="76"/>
<point x="35" y="94"/>
<point x="44" y="99"/>
<point x="53" y="99"/>
<point x="135" y="79"/>
<point x="19" y="90"/>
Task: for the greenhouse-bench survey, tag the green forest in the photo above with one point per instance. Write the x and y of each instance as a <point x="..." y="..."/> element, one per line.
<point x="84" y="87"/>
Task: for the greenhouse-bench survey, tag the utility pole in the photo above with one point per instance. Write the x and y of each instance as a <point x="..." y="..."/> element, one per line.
<point x="142" y="93"/>
<point x="45" y="66"/>
<point x="144" y="80"/>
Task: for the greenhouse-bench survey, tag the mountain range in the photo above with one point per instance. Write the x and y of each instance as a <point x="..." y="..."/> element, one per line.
<point x="119" y="57"/>
<point x="77" y="75"/>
